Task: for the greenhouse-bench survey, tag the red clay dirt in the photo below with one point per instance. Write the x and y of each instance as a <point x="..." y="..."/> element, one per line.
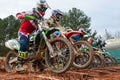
<point x="107" y="73"/>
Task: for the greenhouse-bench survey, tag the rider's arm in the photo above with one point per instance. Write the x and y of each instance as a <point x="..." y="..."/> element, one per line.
<point x="25" y="16"/>
<point x="28" y="17"/>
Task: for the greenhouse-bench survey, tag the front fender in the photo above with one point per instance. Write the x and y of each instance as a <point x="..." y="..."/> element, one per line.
<point x="12" y="44"/>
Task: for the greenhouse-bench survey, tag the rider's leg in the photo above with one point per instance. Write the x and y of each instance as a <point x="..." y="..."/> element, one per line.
<point x="22" y="52"/>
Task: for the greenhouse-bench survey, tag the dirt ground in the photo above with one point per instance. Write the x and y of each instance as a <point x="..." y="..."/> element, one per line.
<point x="108" y="73"/>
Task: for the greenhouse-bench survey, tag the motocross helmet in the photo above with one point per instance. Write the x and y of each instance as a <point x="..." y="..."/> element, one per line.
<point x="42" y="7"/>
<point x="56" y="14"/>
<point x="42" y="1"/>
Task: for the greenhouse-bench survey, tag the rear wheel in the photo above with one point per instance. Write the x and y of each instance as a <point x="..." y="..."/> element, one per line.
<point x="10" y="61"/>
<point x="85" y="55"/>
<point x="63" y="58"/>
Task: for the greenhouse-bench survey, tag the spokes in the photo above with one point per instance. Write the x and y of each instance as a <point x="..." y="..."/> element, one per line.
<point x="83" y="51"/>
<point x="10" y="62"/>
<point x="96" y="62"/>
<point x="61" y="58"/>
<point x="84" y="55"/>
<point x="108" y="61"/>
<point x="59" y="62"/>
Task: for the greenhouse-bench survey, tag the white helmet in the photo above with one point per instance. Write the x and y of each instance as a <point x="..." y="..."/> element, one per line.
<point x="82" y="30"/>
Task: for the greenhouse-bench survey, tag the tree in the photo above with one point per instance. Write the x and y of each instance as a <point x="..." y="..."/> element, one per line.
<point x="8" y="30"/>
<point x="76" y="19"/>
<point x="108" y="35"/>
<point x="12" y="27"/>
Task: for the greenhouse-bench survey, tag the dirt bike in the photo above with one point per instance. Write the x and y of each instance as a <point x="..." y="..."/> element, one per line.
<point x="83" y="57"/>
<point x="108" y="59"/>
<point x="98" y="60"/>
<point x="58" y="59"/>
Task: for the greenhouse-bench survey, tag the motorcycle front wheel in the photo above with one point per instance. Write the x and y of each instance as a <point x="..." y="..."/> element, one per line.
<point x="63" y="58"/>
<point x="84" y="55"/>
<point x="108" y="61"/>
<point x="98" y="61"/>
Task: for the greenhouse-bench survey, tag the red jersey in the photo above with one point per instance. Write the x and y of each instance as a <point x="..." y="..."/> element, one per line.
<point x="26" y="26"/>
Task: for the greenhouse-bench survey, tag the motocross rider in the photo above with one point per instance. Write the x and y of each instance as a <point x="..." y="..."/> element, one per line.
<point x="93" y="43"/>
<point x="28" y="26"/>
<point x="54" y="19"/>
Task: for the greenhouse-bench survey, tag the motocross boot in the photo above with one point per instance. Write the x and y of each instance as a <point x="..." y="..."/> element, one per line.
<point x="20" y="61"/>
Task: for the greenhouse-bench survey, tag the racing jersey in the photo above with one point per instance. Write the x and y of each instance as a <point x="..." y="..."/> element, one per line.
<point x="28" y="25"/>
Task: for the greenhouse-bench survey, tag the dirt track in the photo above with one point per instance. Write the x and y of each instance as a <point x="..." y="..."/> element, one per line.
<point x="111" y="73"/>
<point x="108" y="73"/>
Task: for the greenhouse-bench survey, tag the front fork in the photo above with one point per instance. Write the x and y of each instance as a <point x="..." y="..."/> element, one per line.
<point x="46" y="41"/>
<point x="48" y="45"/>
<point x="75" y="49"/>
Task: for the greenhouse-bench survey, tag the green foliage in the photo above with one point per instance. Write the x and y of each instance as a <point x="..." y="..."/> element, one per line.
<point x="11" y="27"/>
<point x="8" y="29"/>
<point x="3" y="51"/>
